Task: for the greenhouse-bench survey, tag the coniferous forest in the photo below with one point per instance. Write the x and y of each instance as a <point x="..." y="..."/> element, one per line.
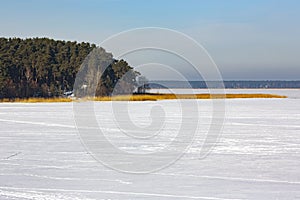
<point x="42" y="67"/>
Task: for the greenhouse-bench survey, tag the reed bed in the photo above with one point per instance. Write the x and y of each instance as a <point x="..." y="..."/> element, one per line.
<point x="156" y="97"/>
<point x="145" y="97"/>
<point x="36" y="100"/>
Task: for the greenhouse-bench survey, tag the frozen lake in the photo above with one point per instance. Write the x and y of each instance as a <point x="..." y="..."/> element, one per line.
<point x="257" y="155"/>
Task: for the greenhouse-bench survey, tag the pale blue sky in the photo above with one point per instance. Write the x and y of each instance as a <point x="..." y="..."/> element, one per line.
<point x="248" y="39"/>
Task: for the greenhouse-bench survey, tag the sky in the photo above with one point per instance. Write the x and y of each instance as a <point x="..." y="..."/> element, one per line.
<point x="247" y="39"/>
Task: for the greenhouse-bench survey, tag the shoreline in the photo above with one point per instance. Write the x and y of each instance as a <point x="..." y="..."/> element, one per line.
<point x="145" y="97"/>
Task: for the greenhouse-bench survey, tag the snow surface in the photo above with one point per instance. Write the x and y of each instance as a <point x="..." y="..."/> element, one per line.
<point x="257" y="156"/>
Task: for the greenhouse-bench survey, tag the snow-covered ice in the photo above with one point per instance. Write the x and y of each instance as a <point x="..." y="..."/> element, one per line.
<point x="257" y="155"/>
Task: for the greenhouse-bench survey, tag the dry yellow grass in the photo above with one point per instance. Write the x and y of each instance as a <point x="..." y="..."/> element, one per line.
<point x="37" y="100"/>
<point x="232" y="96"/>
<point x="147" y="97"/>
<point x="155" y="97"/>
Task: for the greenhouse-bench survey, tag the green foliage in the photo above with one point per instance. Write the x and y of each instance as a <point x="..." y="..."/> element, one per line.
<point x="117" y="79"/>
<point x="42" y="67"/>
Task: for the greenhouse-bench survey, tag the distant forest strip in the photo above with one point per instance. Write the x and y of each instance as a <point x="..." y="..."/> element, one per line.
<point x="227" y="84"/>
<point x="47" y="68"/>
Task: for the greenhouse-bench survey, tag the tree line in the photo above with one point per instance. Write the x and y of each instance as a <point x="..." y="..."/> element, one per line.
<point x="227" y="84"/>
<point x="43" y="67"/>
